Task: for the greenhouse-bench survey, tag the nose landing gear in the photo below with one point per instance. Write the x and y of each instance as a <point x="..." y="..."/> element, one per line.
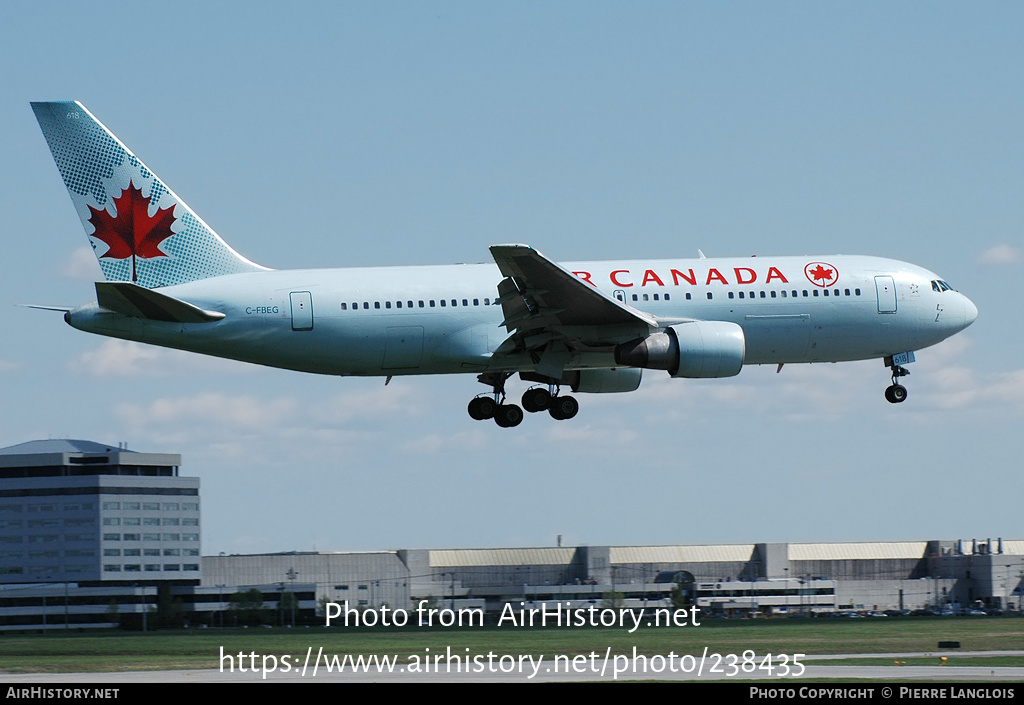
<point x="896" y="392"/>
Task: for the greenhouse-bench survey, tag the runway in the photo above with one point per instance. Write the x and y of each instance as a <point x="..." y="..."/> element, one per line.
<point x="592" y="671"/>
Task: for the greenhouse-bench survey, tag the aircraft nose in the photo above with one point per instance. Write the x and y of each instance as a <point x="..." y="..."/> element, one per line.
<point x="970" y="312"/>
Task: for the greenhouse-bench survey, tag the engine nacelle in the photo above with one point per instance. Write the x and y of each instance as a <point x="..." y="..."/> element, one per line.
<point x="620" y="379"/>
<point x="694" y="349"/>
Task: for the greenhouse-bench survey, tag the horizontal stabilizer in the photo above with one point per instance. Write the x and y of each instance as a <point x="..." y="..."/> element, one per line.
<point x="41" y="307"/>
<point x="139" y="302"/>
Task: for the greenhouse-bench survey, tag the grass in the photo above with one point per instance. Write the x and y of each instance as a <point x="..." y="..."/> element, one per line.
<point x="201" y="648"/>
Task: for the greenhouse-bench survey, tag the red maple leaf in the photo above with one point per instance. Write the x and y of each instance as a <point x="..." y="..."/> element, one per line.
<point x="820" y="272"/>
<point x="132" y="232"/>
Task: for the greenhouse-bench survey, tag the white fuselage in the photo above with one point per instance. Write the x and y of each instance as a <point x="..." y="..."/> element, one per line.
<point x="445" y="319"/>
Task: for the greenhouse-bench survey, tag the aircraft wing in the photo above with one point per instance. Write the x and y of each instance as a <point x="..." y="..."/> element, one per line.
<point x="541" y="293"/>
<point x="544" y="303"/>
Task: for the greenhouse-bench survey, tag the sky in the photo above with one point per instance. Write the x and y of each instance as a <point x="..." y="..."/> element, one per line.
<point x="344" y="134"/>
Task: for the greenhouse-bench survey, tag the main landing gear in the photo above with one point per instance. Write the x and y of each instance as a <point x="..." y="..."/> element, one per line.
<point x="896" y="392"/>
<point x="492" y="405"/>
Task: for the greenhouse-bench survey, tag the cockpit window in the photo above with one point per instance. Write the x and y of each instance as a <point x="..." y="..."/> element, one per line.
<point x="939" y="285"/>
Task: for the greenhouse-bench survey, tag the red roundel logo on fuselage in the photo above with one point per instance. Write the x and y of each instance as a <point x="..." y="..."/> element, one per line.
<point x="821" y="274"/>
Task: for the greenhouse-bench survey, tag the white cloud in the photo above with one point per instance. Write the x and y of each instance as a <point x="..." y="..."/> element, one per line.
<point x="1004" y="253"/>
<point x="81" y="265"/>
<point x="125" y="358"/>
<point x="210" y="410"/>
<point x="473" y="440"/>
<point x="397" y="400"/>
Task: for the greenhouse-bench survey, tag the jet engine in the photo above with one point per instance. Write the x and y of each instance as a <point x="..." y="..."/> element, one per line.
<point x="694" y="349"/>
<point x="620" y="379"/>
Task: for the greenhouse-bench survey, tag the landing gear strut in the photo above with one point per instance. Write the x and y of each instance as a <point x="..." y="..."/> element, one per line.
<point x="896" y="393"/>
<point x="559" y="407"/>
<point x="491" y="405"/>
<point x="494" y="406"/>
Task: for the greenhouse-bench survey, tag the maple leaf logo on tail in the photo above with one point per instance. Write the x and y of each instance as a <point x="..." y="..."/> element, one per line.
<point x="132" y="232"/>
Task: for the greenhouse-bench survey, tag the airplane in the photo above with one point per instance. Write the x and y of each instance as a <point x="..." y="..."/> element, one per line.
<point x="592" y="327"/>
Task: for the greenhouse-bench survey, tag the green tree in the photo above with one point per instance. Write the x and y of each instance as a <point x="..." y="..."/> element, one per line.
<point x="248" y="608"/>
<point x="113" y="610"/>
<point x="168" y="608"/>
<point x="613" y="600"/>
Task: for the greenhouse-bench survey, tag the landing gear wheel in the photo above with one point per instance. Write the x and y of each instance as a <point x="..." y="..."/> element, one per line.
<point x="482" y="408"/>
<point x="536" y="399"/>
<point x="563" y="408"/>
<point x="508" y="415"/>
<point x="896" y="393"/>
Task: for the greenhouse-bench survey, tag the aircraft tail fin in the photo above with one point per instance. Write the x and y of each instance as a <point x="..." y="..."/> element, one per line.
<point x="140" y="230"/>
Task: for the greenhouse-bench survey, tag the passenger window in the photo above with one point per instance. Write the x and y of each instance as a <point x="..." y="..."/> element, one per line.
<point x="443" y="303"/>
<point x="762" y="294"/>
<point x="635" y="297"/>
<point x="398" y="304"/>
<point x="366" y="304"/>
<point x="710" y="296"/>
<point x="826" y="292"/>
<point x="376" y="304"/>
<point x="688" y="297"/>
<point x="774" y="294"/>
<point x="732" y="295"/>
<point x="666" y="297"/>
<point x="344" y="306"/>
<point x="741" y="294"/>
<point x="476" y="302"/>
<point x="432" y="303"/>
<point x="387" y="304"/>
<point x="645" y="297"/>
<point x="465" y="302"/>
<point x="857" y="292"/>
